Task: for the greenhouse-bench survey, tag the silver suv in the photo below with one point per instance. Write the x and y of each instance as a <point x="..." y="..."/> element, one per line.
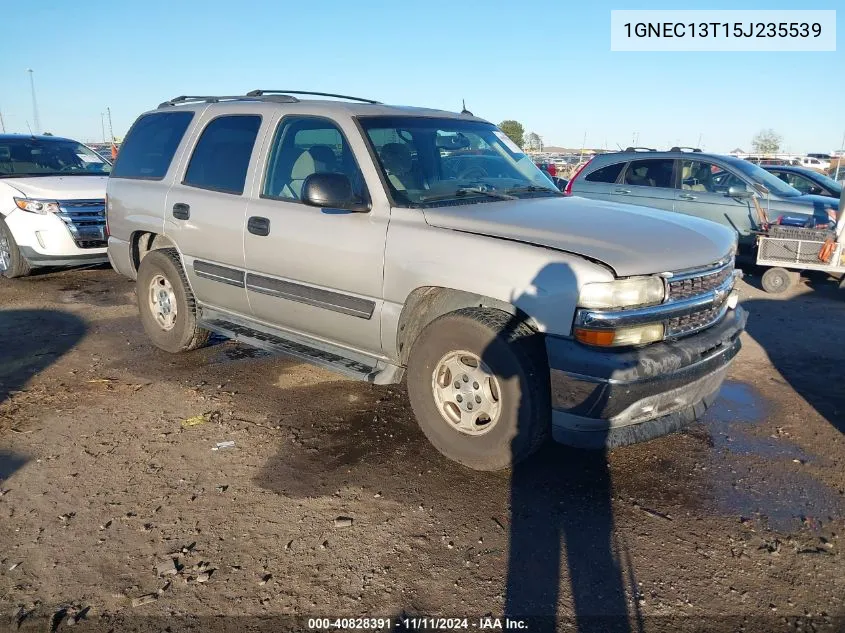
<point x="387" y="242"/>
<point x="724" y="189"/>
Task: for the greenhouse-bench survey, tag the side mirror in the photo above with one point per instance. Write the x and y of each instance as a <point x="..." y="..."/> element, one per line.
<point x="332" y="191"/>
<point x="740" y="192"/>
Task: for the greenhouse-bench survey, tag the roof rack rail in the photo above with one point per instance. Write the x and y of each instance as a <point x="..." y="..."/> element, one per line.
<point x="261" y="93"/>
<point x="684" y="148"/>
<point x="640" y="149"/>
<point x="186" y="99"/>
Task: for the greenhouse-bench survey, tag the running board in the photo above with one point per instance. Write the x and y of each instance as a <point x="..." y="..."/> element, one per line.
<point x="351" y="364"/>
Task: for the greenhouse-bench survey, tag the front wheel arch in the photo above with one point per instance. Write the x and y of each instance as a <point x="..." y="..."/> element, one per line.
<point x="427" y="303"/>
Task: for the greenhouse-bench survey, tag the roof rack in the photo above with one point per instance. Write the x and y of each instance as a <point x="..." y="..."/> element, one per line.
<point x="684" y="148"/>
<point x="261" y="93"/>
<point x="640" y="149"/>
<point x="186" y="99"/>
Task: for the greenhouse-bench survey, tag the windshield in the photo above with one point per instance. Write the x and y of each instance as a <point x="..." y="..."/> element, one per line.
<point x="435" y="161"/>
<point x="26" y="156"/>
<point x="759" y="175"/>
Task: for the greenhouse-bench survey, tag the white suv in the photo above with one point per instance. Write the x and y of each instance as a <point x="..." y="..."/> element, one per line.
<point x="52" y="204"/>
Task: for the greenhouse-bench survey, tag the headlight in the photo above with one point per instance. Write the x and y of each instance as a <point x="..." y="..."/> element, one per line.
<point x="622" y="293"/>
<point x="637" y="335"/>
<point x="37" y="206"/>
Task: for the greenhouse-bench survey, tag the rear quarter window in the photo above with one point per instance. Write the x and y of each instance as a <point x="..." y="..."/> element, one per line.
<point x="149" y="147"/>
<point x="605" y="174"/>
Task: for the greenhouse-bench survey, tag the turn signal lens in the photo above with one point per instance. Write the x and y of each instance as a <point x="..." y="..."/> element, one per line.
<point x="639" y="335"/>
<point x="604" y="338"/>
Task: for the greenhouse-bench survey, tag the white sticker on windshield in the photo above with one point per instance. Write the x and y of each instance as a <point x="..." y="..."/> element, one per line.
<point x="85" y="158"/>
<point x="507" y="142"/>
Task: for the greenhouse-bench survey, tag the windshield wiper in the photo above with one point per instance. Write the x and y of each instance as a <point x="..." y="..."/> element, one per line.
<point x="532" y="189"/>
<point x="466" y="191"/>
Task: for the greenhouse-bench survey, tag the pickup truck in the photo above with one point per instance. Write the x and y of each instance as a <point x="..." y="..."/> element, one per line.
<point x="391" y="243"/>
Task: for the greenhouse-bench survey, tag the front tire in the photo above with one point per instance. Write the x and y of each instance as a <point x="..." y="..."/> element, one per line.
<point x="166" y="303"/>
<point x="478" y="382"/>
<point x="12" y="262"/>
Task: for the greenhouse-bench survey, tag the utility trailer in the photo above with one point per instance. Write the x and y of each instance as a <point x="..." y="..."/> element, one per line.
<point x="784" y="248"/>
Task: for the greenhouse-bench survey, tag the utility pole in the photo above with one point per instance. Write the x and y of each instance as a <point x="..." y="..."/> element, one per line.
<point x="583" y="145"/>
<point x="36" y="119"/>
<point x="111" y="130"/>
<point x="839" y="162"/>
<point x="2" y="124"/>
<point x="103" y="125"/>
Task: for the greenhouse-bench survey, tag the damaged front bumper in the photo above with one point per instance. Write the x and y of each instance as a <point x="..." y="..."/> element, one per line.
<point x="607" y="398"/>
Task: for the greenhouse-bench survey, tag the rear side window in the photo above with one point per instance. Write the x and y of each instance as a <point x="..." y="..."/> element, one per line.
<point x="221" y="157"/>
<point x="606" y="174"/>
<point x="149" y="147"/>
<point x="656" y="172"/>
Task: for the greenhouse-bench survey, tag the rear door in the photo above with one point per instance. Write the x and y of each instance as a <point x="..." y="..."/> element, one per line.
<point x="206" y="207"/>
<point x="704" y="194"/>
<point x="599" y="183"/>
<point x="648" y="182"/>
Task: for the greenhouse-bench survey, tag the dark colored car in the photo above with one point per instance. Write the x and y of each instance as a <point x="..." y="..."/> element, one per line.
<point x="807" y="181"/>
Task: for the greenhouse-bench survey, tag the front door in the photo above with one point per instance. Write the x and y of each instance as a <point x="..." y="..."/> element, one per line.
<point x="311" y="270"/>
<point x="205" y="210"/>
<point x="704" y="194"/>
<point x="647" y="183"/>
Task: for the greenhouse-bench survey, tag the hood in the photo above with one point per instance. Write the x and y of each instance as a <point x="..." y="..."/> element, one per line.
<point x="60" y="187"/>
<point x="631" y="240"/>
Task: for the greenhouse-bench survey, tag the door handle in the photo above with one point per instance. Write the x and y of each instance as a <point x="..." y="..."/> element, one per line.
<point x="181" y="211"/>
<point x="686" y="196"/>
<point x="622" y="191"/>
<point x="258" y="226"/>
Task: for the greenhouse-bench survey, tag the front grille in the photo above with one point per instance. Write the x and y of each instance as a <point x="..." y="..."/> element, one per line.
<point x="698" y="285"/>
<point x="681" y="326"/>
<point x="718" y="279"/>
<point x="85" y="220"/>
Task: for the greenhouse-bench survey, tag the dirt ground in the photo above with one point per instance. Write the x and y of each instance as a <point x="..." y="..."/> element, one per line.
<point x="116" y="511"/>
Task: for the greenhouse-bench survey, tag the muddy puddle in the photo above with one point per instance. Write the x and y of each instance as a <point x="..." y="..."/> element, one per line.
<point x="752" y="474"/>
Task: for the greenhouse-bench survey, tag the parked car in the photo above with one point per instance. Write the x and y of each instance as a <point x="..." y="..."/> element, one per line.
<point x="807" y="181"/>
<point x="52" y="207"/>
<point x="723" y="189"/>
<point x="815" y="163"/>
<point x="350" y="240"/>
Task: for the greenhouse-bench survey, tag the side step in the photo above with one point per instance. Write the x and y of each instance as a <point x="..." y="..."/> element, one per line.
<point x="353" y="365"/>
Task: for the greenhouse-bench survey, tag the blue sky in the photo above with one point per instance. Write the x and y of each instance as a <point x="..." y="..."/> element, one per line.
<point x="546" y="64"/>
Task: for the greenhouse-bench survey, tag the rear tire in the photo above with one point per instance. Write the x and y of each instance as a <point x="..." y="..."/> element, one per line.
<point x="166" y="303"/>
<point x="776" y="280"/>
<point x="500" y="367"/>
<point x="12" y="262"/>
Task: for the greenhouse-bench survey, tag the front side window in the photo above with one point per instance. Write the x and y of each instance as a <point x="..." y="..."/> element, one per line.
<point x="656" y="172"/>
<point x="606" y="174"/>
<point x="431" y="161"/>
<point x="221" y="157"/>
<point x="148" y="149"/>
<point x="699" y="175"/>
<point x="29" y="156"/>
<point x="304" y="146"/>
